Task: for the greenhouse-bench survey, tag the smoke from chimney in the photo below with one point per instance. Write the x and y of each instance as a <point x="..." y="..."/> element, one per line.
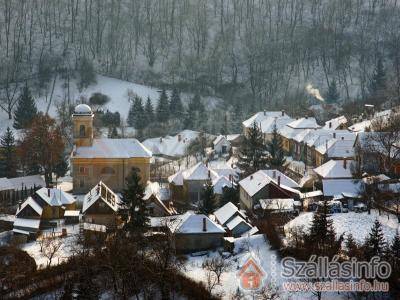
<point x="314" y="92"/>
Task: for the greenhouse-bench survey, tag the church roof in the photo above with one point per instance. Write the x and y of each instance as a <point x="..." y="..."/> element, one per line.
<point x="83" y="109"/>
<point x="113" y="148"/>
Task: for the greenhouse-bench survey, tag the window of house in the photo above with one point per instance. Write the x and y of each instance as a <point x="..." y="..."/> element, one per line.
<point x="82" y="131"/>
<point x="107" y="171"/>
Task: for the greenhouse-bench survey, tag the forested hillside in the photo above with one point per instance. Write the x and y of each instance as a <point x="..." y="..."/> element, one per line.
<point x="266" y="52"/>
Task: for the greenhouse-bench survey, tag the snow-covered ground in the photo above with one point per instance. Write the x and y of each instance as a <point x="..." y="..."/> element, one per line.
<point x="358" y="224"/>
<point x="66" y="250"/>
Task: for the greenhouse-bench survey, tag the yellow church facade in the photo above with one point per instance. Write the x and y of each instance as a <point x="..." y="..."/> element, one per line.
<point x="103" y="159"/>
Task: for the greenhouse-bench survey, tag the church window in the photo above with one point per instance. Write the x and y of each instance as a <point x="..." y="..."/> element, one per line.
<point x="82" y="131"/>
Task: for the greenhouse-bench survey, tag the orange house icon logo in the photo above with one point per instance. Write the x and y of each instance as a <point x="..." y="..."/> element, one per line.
<point x="251" y="275"/>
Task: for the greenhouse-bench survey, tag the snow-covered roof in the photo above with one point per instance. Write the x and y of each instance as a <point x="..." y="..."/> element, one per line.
<point x="311" y="194"/>
<point x="232" y="137"/>
<point x="191" y="223"/>
<point x="220" y="138"/>
<point x="302" y="135"/>
<point x="332" y="187"/>
<point x="113" y="148"/>
<point x="235" y="222"/>
<point x="32" y="203"/>
<point x="255" y="182"/>
<point x="219" y="183"/>
<point x="226" y="212"/>
<point x="5" y="184"/>
<point x="28" y="182"/>
<point x="83" y="109"/>
<point x="71" y="213"/>
<point x="361" y="126"/>
<point x="277" y="204"/>
<point x="55" y="197"/>
<point x="101" y="192"/>
<point x="199" y="172"/>
<point x="304" y="123"/>
<point x="335" y="123"/>
<point x="261" y="116"/>
<point x="154" y="188"/>
<point x="27" y="223"/>
<point x="267" y="125"/>
<point x="335" y="169"/>
<point x="176" y="178"/>
<point x="173" y="146"/>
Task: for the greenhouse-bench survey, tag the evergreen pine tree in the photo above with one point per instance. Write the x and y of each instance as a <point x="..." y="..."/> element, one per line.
<point x="8" y="157"/>
<point x="394" y="252"/>
<point x="131" y="116"/>
<point x="140" y="118"/>
<point x="230" y="194"/>
<point x="322" y="234"/>
<point x="137" y="215"/>
<point x="61" y="168"/>
<point x="378" y="82"/>
<point x="175" y="105"/>
<point x="276" y="157"/>
<point x="87" y="73"/>
<point x="252" y="151"/>
<point x="26" y="109"/>
<point x="351" y="246"/>
<point x="333" y="94"/>
<point x="149" y="111"/>
<point x="375" y="244"/>
<point x="163" y="107"/>
<point x="209" y="200"/>
<point x="190" y="116"/>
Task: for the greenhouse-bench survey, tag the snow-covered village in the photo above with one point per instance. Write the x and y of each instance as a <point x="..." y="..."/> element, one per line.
<point x="212" y="149"/>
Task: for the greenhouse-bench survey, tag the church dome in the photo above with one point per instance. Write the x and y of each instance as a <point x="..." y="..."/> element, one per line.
<point x="83" y="109"/>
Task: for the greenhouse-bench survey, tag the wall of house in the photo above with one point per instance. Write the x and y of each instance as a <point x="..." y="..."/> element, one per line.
<point x="240" y="229"/>
<point x="197" y="242"/>
<point x="88" y="172"/>
<point x="177" y="193"/>
<point x="219" y="147"/>
<point x="100" y="213"/>
<point x="193" y="190"/>
<point x="52" y="212"/>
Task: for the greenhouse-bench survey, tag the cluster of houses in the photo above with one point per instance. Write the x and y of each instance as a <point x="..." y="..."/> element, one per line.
<point x="321" y="162"/>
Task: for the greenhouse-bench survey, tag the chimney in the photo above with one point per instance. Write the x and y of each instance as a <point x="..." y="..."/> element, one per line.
<point x="345" y="163"/>
<point x="306" y="117"/>
<point x="251" y="177"/>
<point x="230" y="177"/>
<point x="19" y="205"/>
<point x="326" y="144"/>
<point x="274" y="173"/>
<point x="209" y="174"/>
<point x="179" y="137"/>
<point x="334" y="135"/>
<point x="265" y="112"/>
<point x="160" y="139"/>
<point x="283" y="112"/>
<point x="330" y="124"/>
<point x="48" y="192"/>
<point x="279" y="180"/>
<point x="204" y="224"/>
<point x="342" y="138"/>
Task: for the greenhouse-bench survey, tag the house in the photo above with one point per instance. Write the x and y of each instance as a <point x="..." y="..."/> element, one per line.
<point x="276" y="205"/>
<point x="195" y="232"/>
<point x="336" y="187"/>
<point x="336" y="123"/>
<point x="259" y="117"/>
<point x="158" y="200"/>
<point x="42" y="210"/>
<point x="109" y="160"/>
<point x="227" y="213"/>
<point x="268" y="125"/>
<point x="335" y="169"/>
<point x="224" y="143"/>
<point x="171" y="146"/>
<point x="186" y="186"/>
<point x="266" y="184"/>
<point x="238" y="226"/>
<point x="101" y="206"/>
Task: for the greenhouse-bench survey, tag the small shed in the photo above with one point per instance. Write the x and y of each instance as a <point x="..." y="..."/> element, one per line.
<point x="71" y="216"/>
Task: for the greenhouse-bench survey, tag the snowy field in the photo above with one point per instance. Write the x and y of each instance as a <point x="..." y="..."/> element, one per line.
<point x="358" y="224"/>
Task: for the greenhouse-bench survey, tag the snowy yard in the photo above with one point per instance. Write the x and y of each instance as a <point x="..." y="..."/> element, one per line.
<point x="358" y="224"/>
<point x="65" y="251"/>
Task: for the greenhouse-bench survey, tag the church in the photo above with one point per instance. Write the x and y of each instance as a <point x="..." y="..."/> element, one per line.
<point x="103" y="159"/>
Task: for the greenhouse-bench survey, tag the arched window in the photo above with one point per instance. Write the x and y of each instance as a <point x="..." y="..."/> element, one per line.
<point x="107" y="171"/>
<point x="82" y="131"/>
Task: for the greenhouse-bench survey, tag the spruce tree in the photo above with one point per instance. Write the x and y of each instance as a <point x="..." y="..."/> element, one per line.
<point x="87" y="73"/>
<point x="163" y="107"/>
<point x="333" y="94"/>
<point x="394" y="252"/>
<point x="175" y="106"/>
<point x="131" y="116"/>
<point x="321" y="237"/>
<point x="209" y="200"/>
<point x="230" y="194"/>
<point x="137" y="216"/>
<point x="375" y="244"/>
<point x="8" y="156"/>
<point x="149" y="111"/>
<point x="351" y="246"/>
<point x="140" y="118"/>
<point x="252" y="154"/>
<point x="276" y="157"/>
<point x="26" y="110"/>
